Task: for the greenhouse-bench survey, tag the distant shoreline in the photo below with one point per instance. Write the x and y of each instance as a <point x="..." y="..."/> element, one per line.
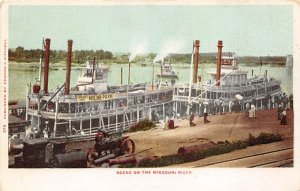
<point x="21" y="55"/>
<point x="109" y="62"/>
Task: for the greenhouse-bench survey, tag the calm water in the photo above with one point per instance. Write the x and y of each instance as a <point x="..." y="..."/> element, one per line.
<point x="21" y="74"/>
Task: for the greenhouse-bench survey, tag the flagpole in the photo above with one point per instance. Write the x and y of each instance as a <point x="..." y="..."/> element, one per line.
<point x="191" y="81"/>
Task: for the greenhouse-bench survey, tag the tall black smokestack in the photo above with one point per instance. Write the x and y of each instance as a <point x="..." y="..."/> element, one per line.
<point x="68" y="71"/>
<point x="218" y="76"/>
<point x="46" y="66"/>
<point x="196" y="61"/>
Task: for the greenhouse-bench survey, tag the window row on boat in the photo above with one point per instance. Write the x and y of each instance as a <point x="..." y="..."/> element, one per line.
<point x="89" y="106"/>
<point x="222" y="93"/>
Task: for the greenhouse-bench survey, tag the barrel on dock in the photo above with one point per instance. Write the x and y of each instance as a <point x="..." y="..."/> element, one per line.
<point x="75" y="159"/>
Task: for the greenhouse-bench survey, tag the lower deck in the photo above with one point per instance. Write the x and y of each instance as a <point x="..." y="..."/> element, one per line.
<point x="113" y="120"/>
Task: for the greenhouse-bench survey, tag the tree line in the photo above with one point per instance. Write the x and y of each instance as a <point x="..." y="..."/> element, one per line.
<point x="212" y="58"/>
<point x="80" y="56"/>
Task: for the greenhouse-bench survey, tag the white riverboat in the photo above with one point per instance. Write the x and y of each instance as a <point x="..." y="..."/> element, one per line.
<point x="166" y="71"/>
<point x="92" y="104"/>
<point x="233" y="90"/>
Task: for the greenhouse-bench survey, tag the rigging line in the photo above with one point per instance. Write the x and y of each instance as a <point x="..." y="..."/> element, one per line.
<point x="210" y="87"/>
<point x="233" y="124"/>
<point x="52" y="82"/>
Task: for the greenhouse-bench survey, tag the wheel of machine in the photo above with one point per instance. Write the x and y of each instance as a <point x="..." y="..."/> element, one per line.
<point x="90" y="156"/>
<point x="128" y="146"/>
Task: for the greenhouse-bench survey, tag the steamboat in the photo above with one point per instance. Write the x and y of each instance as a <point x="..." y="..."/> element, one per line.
<point x="229" y="88"/>
<point x="79" y="112"/>
<point x="92" y="104"/>
<point x="166" y="71"/>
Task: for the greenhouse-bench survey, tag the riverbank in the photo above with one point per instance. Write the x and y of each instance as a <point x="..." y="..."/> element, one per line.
<point x="107" y="57"/>
<point x="230" y="127"/>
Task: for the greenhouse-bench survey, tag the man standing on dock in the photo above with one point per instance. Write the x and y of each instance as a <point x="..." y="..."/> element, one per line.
<point x="291" y="101"/>
<point x="221" y="106"/>
<point x="279" y="111"/>
<point x="283" y="120"/>
<point x="205" y="114"/>
<point x="230" y="106"/>
<point x="252" y="111"/>
<point x="247" y="109"/>
<point x="191" y="120"/>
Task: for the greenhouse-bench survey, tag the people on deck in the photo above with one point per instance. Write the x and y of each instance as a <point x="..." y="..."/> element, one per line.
<point x="29" y="132"/>
<point x="74" y="131"/>
<point x="45" y="133"/>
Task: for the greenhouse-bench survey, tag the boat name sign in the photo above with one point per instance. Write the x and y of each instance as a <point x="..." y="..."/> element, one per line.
<point x="99" y="97"/>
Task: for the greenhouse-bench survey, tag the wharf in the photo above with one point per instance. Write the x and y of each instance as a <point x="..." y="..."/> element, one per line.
<point x="229" y="126"/>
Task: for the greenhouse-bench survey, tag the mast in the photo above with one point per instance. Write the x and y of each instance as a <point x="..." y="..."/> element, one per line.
<point x="93" y="70"/>
<point x="260" y="63"/>
<point x="161" y="69"/>
<point x="121" y="75"/>
<point x="191" y="81"/>
<point x="152" y="75"/>
<point x="128" y="70"/>
<point x="202" y="77"/>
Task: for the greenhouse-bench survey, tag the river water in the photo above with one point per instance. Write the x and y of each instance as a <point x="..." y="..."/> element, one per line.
<point x="21" y="74"/>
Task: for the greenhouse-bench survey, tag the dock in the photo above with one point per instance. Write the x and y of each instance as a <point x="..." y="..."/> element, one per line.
<point x="230" y="127"/>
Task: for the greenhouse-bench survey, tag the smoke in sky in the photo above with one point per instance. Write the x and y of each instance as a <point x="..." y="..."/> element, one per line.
<point x="137" y="49"/>
<point x="170" y="46"/>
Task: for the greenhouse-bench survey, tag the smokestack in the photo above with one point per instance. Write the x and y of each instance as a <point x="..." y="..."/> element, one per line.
<point x="46" y="66"/>
<point x="128" y="72"/>
<point x="218" y="77"/>
<point x="68" y="71"/>
<point x="196" y="61"/>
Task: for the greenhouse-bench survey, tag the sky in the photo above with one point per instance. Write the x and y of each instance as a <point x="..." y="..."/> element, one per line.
<point x="248" y="30"/>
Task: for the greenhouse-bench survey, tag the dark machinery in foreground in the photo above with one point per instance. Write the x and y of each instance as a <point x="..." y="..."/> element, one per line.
<point x="30" y="154"/>
<point x="109" y="147"/>
<point x="45" y="153"/>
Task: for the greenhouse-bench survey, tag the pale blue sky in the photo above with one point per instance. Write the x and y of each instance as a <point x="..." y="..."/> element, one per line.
<point x="246" y="30"/>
